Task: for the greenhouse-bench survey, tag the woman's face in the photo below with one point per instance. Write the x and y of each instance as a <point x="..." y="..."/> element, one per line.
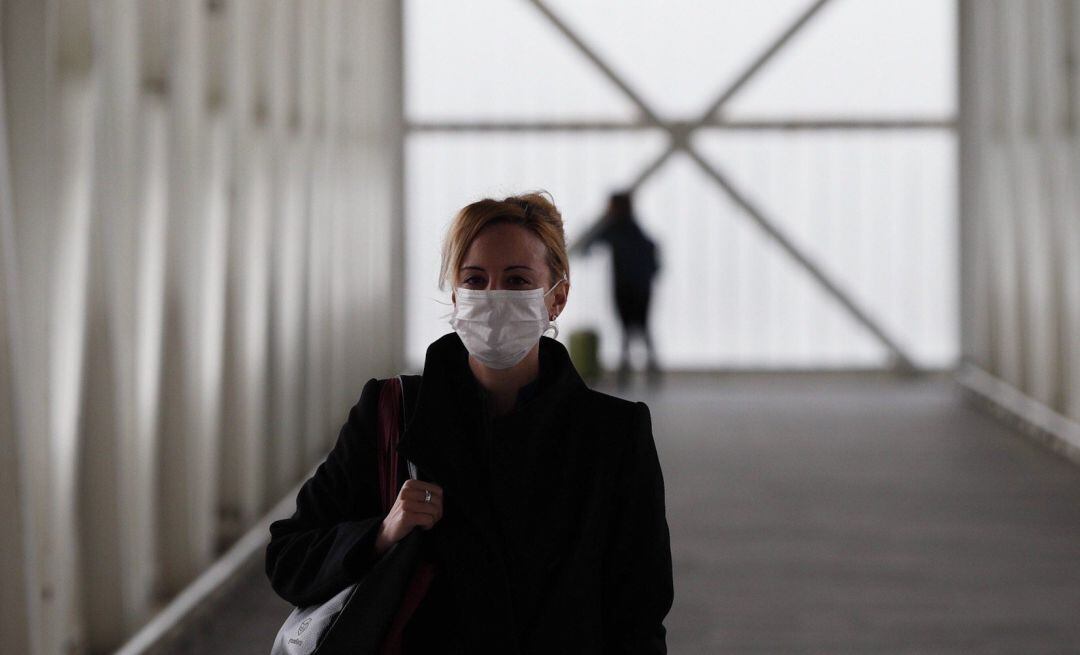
<point x="508" y="256"/>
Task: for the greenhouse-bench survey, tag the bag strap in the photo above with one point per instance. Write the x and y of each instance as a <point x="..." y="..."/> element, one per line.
<point x="409" y="390"/>
<point x="395" y="395"/>
<point x="422" y="576"/>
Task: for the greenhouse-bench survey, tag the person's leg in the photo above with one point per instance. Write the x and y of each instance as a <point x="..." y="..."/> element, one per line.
<point x="624" y="304"/>
<point x="652" y="369"/>
<point x="624" y="362"/>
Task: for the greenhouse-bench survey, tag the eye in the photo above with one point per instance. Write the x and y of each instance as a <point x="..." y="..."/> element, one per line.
<point x="472" y="281"/>
<point x="518" y="280"/>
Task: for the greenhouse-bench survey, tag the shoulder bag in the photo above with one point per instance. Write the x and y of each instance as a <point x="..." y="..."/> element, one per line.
<point x="369" y="615"/>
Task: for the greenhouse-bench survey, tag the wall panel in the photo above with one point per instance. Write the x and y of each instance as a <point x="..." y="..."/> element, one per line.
<point x="1020" y="208"/>
<point x="197" y="271"/>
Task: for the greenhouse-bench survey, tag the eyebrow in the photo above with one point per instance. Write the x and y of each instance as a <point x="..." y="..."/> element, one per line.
<point x="508" y="268"/>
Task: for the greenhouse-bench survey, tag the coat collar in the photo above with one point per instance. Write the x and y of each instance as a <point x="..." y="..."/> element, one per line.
<point x="441" y="438"/>
<point x="440" y="434"/>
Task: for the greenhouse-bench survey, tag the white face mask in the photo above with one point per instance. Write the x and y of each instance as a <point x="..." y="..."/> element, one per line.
<point x="499" y="327"/>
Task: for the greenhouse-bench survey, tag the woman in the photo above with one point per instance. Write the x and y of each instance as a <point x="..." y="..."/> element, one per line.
<point x="543" y="500"/>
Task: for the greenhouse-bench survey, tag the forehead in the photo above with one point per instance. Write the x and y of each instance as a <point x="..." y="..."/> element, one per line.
<point x="504" y="244"/>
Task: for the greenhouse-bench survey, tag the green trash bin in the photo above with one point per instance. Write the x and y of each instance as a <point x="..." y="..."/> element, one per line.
<point x="585" y="353"/>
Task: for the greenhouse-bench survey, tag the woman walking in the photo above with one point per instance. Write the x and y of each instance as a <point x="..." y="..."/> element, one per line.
<point x="542" y="500"/>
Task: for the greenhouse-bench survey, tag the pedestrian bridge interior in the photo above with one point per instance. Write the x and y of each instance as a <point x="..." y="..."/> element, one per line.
<point x="219" y="219"/>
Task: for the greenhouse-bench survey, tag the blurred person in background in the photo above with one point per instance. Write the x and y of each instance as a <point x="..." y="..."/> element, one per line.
<point x="635" y="262"/>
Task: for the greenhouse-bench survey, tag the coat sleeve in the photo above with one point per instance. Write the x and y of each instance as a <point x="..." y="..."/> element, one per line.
<point x="329" y="541"/>
<point x="638" y="584"/>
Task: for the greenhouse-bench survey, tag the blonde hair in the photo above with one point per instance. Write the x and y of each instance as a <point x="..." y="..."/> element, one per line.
<point x="532" y="211"/>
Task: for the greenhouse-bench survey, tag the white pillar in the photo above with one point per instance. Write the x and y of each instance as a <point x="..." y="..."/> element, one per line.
<point x="18" y="564"/>
<point x="1020" y="101"/>
<point x="1070" y="23"/>
<point x="288" y="250"/>
<point x="187" y="464"/>
<point x="244" y="435"/>
<point x="312" y="136"/>
<point x="31" y="98"/>
<point x="116" y="488"/>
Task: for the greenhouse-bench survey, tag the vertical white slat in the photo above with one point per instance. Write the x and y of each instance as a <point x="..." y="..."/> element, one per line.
<point x="121" y="64"/>
<point x="216" y="181"/>
<point x="289" y="303"/>
<point x="1033" y="219"/>
<point x="229" y="64"/>
<point x="187" y="471"/>
<point x="242" y="464"/>
<point x="356" y="309"/>
<point x="341" y="394"/>
<point x="116" y="534"/>
<point x="149" y="345"/>
<point x="18" y="596"/>
<point x="70" y="341"/>
<point x="333" y="400"/>
<point x="394" y="108"/>
<point x="1008" y="339"/>
<point x="311" y="123"/>
<point x="1011" y="23"/>
<point x="975" y="132"/>
<point x="31" y="90"/>
<point x="1048" y="100"/>
<point x="215" y="242"/>
<point x="152" y="246"/>
<point x="362" y="25"/>
<point x="96" y="473"/>
<point x="257" y="242"/>
<point x="380" y="133"/>
<point x="285" y="372"/>
<point x="269" y="31"/>
<point x="1070" y="147"/>
<point x="1070" y="21"/>
<point x="1064" y="169"/>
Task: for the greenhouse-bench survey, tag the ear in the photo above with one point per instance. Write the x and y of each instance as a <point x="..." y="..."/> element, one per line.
<point x="558" y="299"/>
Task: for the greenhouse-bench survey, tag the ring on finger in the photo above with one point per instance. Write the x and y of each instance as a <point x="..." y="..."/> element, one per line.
<point x="427" y="495"/>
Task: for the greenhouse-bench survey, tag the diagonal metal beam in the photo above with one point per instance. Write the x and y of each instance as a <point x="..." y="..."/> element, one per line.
<point x="597" y="61"/>
<point x="680" y="140"/>
<point x="763" y="58"/>
<point x="753" y="68"/>
<point x="902" y="360"/>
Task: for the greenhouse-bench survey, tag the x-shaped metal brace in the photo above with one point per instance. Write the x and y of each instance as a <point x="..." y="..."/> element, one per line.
<point x="680" y="140"/>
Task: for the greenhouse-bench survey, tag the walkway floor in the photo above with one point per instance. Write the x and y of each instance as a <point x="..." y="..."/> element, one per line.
<point x="832" y="514"/>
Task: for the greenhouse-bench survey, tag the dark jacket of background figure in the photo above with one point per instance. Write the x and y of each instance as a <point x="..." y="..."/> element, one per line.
<point x="634" y="261"/>
<point x="567" y="550"/>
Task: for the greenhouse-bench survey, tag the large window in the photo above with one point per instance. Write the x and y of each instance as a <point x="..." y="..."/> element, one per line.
<point x="810" y="220"/>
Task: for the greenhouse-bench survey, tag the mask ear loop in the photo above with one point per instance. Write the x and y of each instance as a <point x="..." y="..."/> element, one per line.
<point x="447" y="315"/>
<point x="551" y="321"/>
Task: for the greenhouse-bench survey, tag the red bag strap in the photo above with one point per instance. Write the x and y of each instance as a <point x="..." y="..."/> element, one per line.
<point x="390" y="428"/>
<point x="391" y="425"/>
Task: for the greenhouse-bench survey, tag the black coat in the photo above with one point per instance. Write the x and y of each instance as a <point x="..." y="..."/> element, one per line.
<point x="560" y="546"/>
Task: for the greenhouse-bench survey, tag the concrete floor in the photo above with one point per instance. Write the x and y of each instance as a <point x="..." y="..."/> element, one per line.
<point x="831" y="514"/>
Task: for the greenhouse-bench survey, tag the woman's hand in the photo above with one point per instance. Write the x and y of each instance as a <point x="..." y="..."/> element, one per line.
<point x="410" y="510"/>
